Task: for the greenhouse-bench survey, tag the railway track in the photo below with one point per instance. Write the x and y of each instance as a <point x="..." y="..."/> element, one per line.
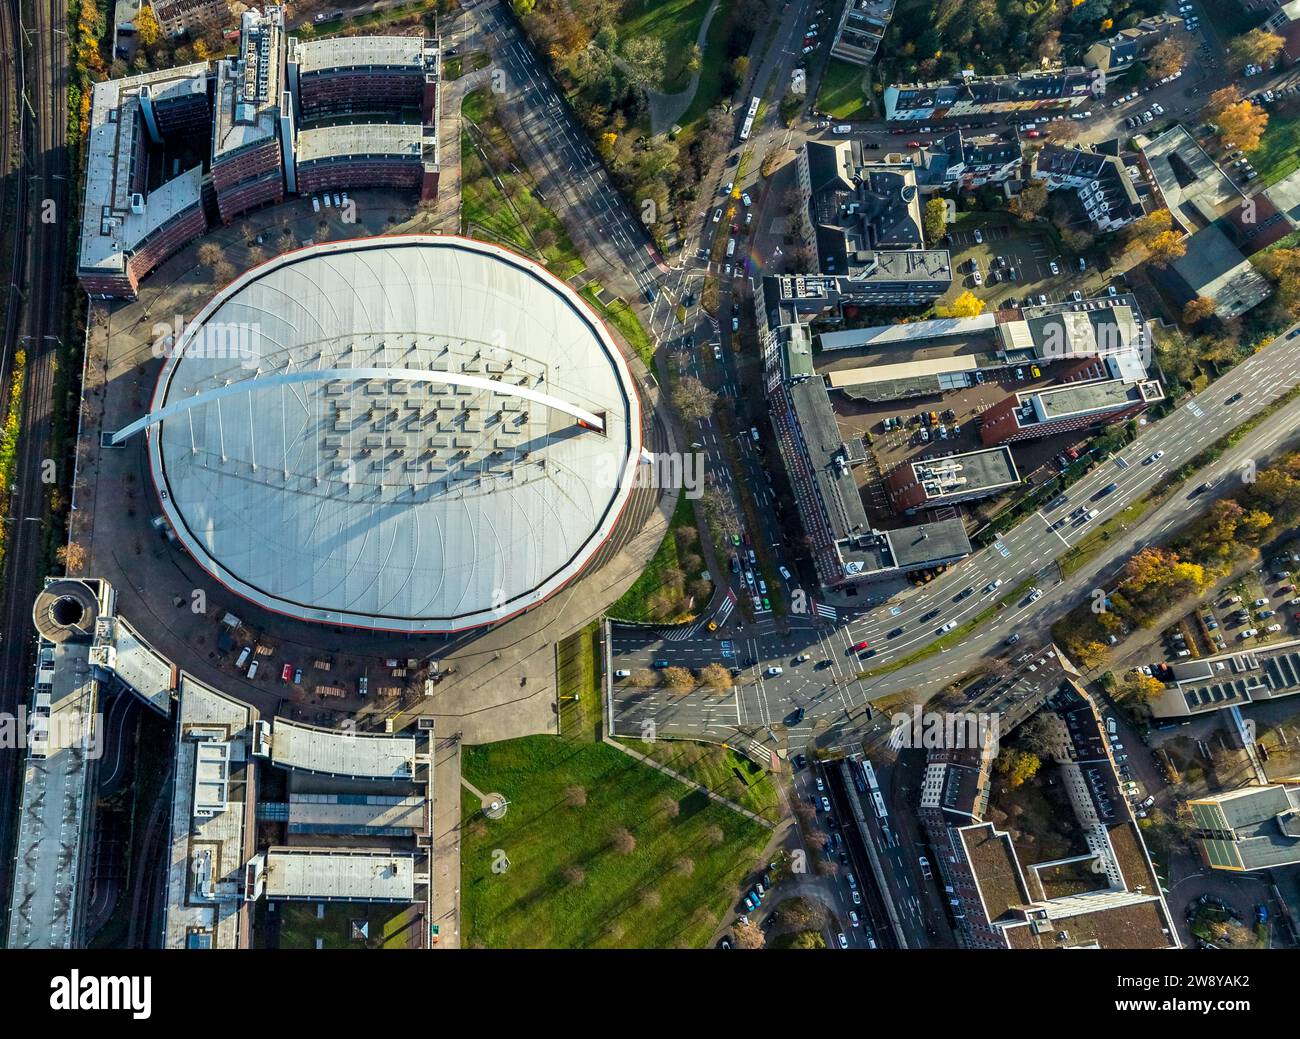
<point x="38" y="35"/>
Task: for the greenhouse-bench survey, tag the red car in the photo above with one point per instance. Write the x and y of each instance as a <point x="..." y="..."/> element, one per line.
<point x="1033" y="135"/>
<point x="914" y="144"/>
<point x="861" y="645"/>
<point x="286" y="673"/>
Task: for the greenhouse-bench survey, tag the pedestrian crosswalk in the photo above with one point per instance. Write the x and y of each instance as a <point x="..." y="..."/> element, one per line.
<point x="684" y="633"/>
<point x="724" y="611"/>
<point x="829" y="612"/>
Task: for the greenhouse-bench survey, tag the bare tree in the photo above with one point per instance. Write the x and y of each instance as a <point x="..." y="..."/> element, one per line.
<point x="694" y="400"/>
<point x="748" y="936"/>
<point x="622" y="841"/>
<point x="679" y="679"/>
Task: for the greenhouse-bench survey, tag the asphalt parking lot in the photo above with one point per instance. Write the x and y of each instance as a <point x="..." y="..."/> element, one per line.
<point x="1030" y="255"/>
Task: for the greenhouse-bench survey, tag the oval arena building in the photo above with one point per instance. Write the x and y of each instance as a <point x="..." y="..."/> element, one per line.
<point x="414" y="434"/>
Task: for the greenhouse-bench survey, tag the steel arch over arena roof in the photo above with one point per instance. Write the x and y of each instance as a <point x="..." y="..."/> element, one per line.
<point x="420" y="434"/>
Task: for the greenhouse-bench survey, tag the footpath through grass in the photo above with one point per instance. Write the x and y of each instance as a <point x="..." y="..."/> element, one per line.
<point x="721" y="769"/>
<point x="677" y="23"/>
<point x="596" y="849"/>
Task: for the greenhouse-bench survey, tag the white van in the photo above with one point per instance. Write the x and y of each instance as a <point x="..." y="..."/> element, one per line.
<point x="252" y="669"/>
<point x="244" y="654"/>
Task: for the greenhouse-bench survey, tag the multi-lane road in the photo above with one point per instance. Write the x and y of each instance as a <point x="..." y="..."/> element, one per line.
<point x="834" y="700"/>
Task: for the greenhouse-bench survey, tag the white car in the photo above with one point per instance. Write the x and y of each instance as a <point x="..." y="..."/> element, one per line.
<point x="717" y="352"/>
<point x="994" y="586"/>
<point x="948" y="627"/>
<point x="1274" y="627"/>
<point x="746" y="200"/>
<point x="717" y="215"/>
<point x="1055" y="269"/>
<point x="784" y="572"/>
<point x="735" y="324"/>
<point x="774" y="670"/>
<point x="622" y="673"/>
<point x="1035" y="595"/>
<point x="1155" y="456"/>
<point x="979" y="237"/>
<point x="844" y="942"/>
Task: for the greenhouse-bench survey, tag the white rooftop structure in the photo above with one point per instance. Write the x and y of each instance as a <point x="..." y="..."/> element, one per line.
<point x="350" y="140"/>
<point x="51" y="811"/>
<point x="119" y="648"/>
<point x="211" y="821"/>
<point x="248" y="85"/>
<point x="880" y="335"/>
<point x="118" y="215"/>
<point x="337" y="752"/>
<point x="365" y="52"/>
<point x="346" y="875"/>
<point x="409" y="433"/>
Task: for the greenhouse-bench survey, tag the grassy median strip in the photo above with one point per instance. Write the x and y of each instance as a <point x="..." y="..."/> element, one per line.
<point x="624" y="318"/>
<point x="953" y="637"/>
<point x="1084" y="549"/>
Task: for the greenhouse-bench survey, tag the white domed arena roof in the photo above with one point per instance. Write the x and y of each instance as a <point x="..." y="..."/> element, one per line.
<point x="395" y="434"/>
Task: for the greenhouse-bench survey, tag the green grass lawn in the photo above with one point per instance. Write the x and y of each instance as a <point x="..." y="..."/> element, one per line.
<point x="391" y="927"/>
<point x="709" y="91"/>
<point x="677" y="23"/>
<point x="567" y="886"/>
<point x="635" y="602"/>
<point x="509" y="222"/>
<point x="623" y="317"/>
<point x="1279" y="151"/>
<point x="720" y="769"/>
<point x="842" y="94"/>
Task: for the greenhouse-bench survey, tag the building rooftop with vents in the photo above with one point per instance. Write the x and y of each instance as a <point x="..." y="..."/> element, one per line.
<point x="933" y="482"/>
<point x="122" y="209"/>
<point x="338" y="752"/>
<point x="247" y="94"/>
<point x="1256" y="827"/>
<point x="968" y="94"/>
<point x="1229" y="679"/>
<point x="1214" y="267"/>
<point x="326" y="875"/>
<point x="356" y="140"/>
<point x="1192" y="186"/>
<point x="414" y="53"/>
<point x="211" y="822"/>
